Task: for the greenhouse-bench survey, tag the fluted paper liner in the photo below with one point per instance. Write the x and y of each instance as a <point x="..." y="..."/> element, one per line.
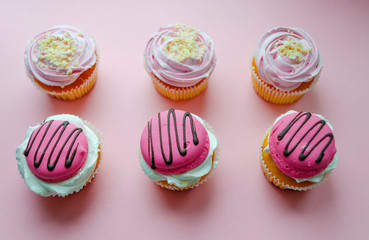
<point x="273" y="176"/>
<point x="177" y="93"/>
<point x="274" y="95"/>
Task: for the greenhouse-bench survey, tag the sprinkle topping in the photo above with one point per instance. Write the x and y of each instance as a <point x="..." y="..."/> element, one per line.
<point x="293" y="50"/>
<point x="57" y="51"/>
<point x="184" y="44"/>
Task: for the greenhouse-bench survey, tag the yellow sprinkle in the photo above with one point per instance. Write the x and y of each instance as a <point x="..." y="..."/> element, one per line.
<point x="64" y="64"/>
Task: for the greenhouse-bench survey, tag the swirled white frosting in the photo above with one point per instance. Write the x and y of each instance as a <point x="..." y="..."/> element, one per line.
<point x="286" y="57"/>
<point x="191" y="177"/>
<point x="180" y="55"/>
<point x="73" y="184"/>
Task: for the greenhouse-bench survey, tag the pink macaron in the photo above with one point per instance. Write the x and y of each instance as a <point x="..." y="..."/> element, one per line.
<point x="56" y="150"/>
<point x="177" y="149"/>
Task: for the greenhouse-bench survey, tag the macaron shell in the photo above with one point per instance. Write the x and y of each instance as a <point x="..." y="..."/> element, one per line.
<point x="154" y="154"/>
<point x="49" y="148"/>
<point x="291" y="165"/>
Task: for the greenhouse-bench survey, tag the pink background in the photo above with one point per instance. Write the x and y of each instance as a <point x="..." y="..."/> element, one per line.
<point x="237" y="202"/>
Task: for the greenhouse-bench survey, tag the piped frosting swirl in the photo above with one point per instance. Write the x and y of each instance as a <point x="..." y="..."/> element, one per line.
<point x="58" y="56"/>
<point x="286" y="57"/>
<point x="180" y="55"/>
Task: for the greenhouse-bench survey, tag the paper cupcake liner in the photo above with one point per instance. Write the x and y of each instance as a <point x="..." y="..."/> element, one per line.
<point x="272" y="178"/>
<point x="274" y="95"/>
<point x="76" y="92"/>
<point x="179" y="93"/>
<point x="203" y="179"/>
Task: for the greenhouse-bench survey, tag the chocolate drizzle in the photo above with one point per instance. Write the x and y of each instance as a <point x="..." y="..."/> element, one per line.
<point x="182" y="151"/>
<point x="69" y="157"/>
<point x="302" y="155"/>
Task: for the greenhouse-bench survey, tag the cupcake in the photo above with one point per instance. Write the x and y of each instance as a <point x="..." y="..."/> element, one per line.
<point x="298" y="151"/>
<point x="178" y="150"/>
<point x="62" y="61"/>
<point x="59" y="156"/>
<point x="286" y="65"/>
<point x="179" y="60"/>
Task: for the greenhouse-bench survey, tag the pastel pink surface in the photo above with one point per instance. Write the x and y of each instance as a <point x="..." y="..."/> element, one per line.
<point x="157" y="154"/>
<point x="237" y="202"/>
<point x="50" y="147"/>
<point x="301" y="134"/>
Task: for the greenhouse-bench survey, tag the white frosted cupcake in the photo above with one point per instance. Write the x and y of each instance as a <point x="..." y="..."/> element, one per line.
<point x="178" y="150"/>
<point x="298" y="151"/>
<point x="59" y="156"/>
